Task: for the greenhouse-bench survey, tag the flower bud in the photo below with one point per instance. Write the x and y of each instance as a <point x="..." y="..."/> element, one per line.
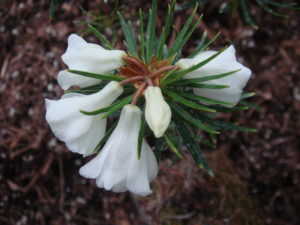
<point x="157" y="112"/>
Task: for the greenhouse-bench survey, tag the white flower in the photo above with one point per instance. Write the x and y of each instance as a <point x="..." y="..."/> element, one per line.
<point x="87" y="57"/>
<point x="80" y="132"/>
<point x="117" y="166"/>
<point x="157" y="111"/>
<point x="225" y="62"/>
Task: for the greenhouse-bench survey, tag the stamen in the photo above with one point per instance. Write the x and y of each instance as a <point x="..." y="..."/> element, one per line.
<point x="138" y="93"/>
<point x="132" y="79"/>
<point x="162" y="70"/>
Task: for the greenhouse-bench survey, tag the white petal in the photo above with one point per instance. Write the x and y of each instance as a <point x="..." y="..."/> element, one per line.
<point x="223" y="63"/>
<point x="75" y="128"/>
<point x="157" y="111"/>
<point x="66" y="79"/>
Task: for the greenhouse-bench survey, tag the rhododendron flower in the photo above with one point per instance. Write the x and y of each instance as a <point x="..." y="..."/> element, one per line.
<point x="117" y="166"/>
<point x="157" y="111"/>
<point x="80" y="132"/>
<point x="223" y="63"/>
<point x="87" y="57"/>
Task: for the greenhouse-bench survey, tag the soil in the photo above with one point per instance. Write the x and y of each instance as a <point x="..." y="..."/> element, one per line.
<point x="257" y="174"/>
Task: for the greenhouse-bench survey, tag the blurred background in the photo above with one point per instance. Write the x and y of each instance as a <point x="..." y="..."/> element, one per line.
<point x="257" y="174"/>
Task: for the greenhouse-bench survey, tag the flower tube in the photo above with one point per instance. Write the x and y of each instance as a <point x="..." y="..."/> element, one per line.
<point x="80" y="132"/>
<point x="117" y="166"/>
<point x="223" y="63"/>
<point x="87" y="57"/>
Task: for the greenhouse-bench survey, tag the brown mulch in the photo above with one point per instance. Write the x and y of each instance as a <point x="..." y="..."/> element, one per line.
<point x="257" y="175"/>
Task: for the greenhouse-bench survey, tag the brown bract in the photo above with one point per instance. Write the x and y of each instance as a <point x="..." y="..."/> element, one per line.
<point x="137" y="72"/>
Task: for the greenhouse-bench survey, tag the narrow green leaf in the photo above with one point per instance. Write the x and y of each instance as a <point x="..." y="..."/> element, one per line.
<point x="283" y="5"/>
<point x="117" y="107"/>
<point x="129" y="36"/>
<point x="248" y="18"/>
<point x="192" y="145"/>
<point x="247" y="95"/>
<point x="170" y="15"/>
<point x="159" y="146"/>
<point x="207" y="86"/>
<point x="222" y="125"/>
<point x="150" y="33"/>
<point x="101" y="37"/>
<point x="204" y="99"/>
<point x="161" y="44"/>
<point x="190" y="119"/>
<point x="166" y="77"/>
<point x="141" y="135"/>
<point x="226" y="109"/>
<point x="53" y="4"/>
<point x="105" y="109"/>
<point x="172" y="145"/>
<point x="206" y="78"/>
<point x="265" y="7"/>
<point x="97" y="76"/>
<point x="180" y="37"/>
<point x="188" y="35"/>
<point x="141" y="36"/>
<point x="200" y="46"/>
<point x="104" y="139"/>
<point x="186" y="102"/>
<point x="251" y="105"/>
<point x="178" y="75"/>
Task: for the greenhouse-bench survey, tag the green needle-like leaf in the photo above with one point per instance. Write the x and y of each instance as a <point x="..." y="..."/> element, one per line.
<point x="97" y="76"/>
<point x="104" y="139"/>
<point x="207" y="86"/>
<point x="200" y="46"/>
<point x="141" y="36"/>
<point x="186" y="102"/>
<point x="247" y="15"/>
<point x="190" y="119"/>
<point x="206" y="78"/>
<point x="176" y="45"/>
<point x="101" y="37"/>
<point x="265" y="7"/>
<point x="246" y="95"/>
<point x="172" y="145"/>
<point x="141" y="135"/>
<point x="204" y="99"/>
<point x="150" y="33"/>
<point x="118" y="106"/>
<point x="221" y="125"/>
<point x="129" y="36"/>
<point x="191" y="144"/>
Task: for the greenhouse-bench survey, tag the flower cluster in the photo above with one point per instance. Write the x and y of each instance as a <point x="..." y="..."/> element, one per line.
<point x="156" y="87"/>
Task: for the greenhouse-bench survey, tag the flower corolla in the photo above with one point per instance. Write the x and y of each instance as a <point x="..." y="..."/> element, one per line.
<point x="117" y="166"/>
<point x="80" y="132"/>
<point x="87" y="57"/>
<point x="225" y="62"/>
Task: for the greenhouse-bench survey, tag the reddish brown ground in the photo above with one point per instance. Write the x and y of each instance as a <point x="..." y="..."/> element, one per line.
<point x="257" y="179"/>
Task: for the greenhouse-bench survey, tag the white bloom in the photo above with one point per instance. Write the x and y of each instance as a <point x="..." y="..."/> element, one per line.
<point x="87" y="57"/>
<point x="157" y="111"/>
<point x="225" y="62"/>
<point x="80" y="132"/>
<point x="117" y="166"/>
